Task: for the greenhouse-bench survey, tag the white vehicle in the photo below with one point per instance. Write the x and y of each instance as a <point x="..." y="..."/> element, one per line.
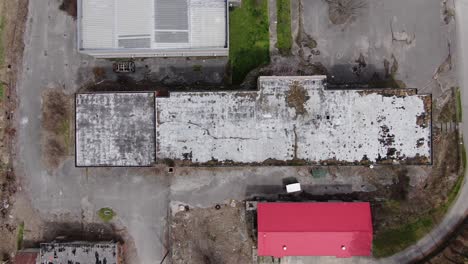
<point x="293" y="187"/>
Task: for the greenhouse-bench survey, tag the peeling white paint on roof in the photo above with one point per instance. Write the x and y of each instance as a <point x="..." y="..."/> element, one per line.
<point x="335" y="126"/>
<point x="80" y="252"/>
<point x="250" y="127"/>
<point x="115" y="129"/>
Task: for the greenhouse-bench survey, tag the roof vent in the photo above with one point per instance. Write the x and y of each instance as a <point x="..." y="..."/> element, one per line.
<point x="343" y="247"/>
<point x="284" y="248"/>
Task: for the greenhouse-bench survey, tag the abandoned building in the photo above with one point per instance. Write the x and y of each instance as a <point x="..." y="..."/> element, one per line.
<point x="115" y="129"/>
<point x="338" y="229"/>
<point x="152" y="28"/>
<point x="74" y="252"/>
<point x="289" y="120"/>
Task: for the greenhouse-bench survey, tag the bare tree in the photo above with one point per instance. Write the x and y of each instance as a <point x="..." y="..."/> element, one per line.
<point x="341" y="10"/>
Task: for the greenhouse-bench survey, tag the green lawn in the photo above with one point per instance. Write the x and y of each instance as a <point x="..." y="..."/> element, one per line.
<point x="394" y="240"/>
<point x="284" y="26"/>
<point x="248" y="38"/>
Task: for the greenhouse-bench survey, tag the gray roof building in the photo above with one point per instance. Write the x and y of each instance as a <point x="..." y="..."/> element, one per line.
<point x="115" y="129"/>
<point x="289" y="119"/>
<point x="80" y="252"/>
<point x="153" y="28"/>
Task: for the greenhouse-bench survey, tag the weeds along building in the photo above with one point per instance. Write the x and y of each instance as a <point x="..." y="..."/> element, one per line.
<point x="152" y="28"/>
<point x="289" y="120"/>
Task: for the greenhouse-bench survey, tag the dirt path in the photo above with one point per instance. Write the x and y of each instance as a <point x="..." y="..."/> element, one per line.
<point x="13" y="18"/>
<point x="272" y="18"/>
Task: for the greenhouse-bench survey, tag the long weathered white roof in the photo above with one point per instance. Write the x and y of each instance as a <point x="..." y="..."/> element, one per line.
<point x="152" y="24"/>
<point x="334" y="126"/>
<point x="80" y="252"/>
<point x="289" y="119"/>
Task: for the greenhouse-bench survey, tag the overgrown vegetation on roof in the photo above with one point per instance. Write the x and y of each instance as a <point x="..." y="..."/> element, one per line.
<point x="248" y="38"/>
<point x="284" y="26"/>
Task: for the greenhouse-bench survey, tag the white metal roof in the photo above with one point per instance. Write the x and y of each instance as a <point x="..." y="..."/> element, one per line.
<point x="152" y="24"/>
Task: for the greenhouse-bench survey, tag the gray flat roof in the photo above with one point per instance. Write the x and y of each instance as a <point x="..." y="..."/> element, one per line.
<point x="79" y="252"/>
<point x="288" y="120"/>
<point x="115" y="129"/>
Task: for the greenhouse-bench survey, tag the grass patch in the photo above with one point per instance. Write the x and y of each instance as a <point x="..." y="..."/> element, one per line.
<point x="284" y="26"/>
<point x="394" y="240"/>
<point x="20" y="236"/>
<point x="459" y="105"/>
<point x="452" y="195"/>
<point x="106" y="214"/>
<point x="248" y="38"/>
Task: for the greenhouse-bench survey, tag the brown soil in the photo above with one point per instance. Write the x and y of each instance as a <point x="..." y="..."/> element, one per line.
<point x="448" y="111"/>
<point x="211" y="236"/>
<point x="70" y="7"/>
<point x="13" y="14"/>
<point x="340" y="11"/>
<point x="455" y="251"/>
<point x="297" y="97"/>
<point x="56" y="115"/>
<point x="99" y="73"/>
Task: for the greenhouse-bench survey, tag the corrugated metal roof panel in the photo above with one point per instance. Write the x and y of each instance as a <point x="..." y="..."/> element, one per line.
<point x="171" y="14"/>
<point x="98" y="24"/>
<point x="26" y="257"/>
<point x="314" y="229"/>
<point x="169" y="24"/>
<point x="134" y="17"/>
<point x="208" y="24"/>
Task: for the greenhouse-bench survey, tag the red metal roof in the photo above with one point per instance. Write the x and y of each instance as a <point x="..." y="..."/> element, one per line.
<point x="25" y="258"/>
<point x="314" y="229"/>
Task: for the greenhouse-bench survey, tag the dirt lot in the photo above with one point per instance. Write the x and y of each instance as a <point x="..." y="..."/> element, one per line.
<point x="57" y="136"/>
<point x="455" y="250"/>
<point x="13" y="15"/>
<point x="212" y="235"/>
